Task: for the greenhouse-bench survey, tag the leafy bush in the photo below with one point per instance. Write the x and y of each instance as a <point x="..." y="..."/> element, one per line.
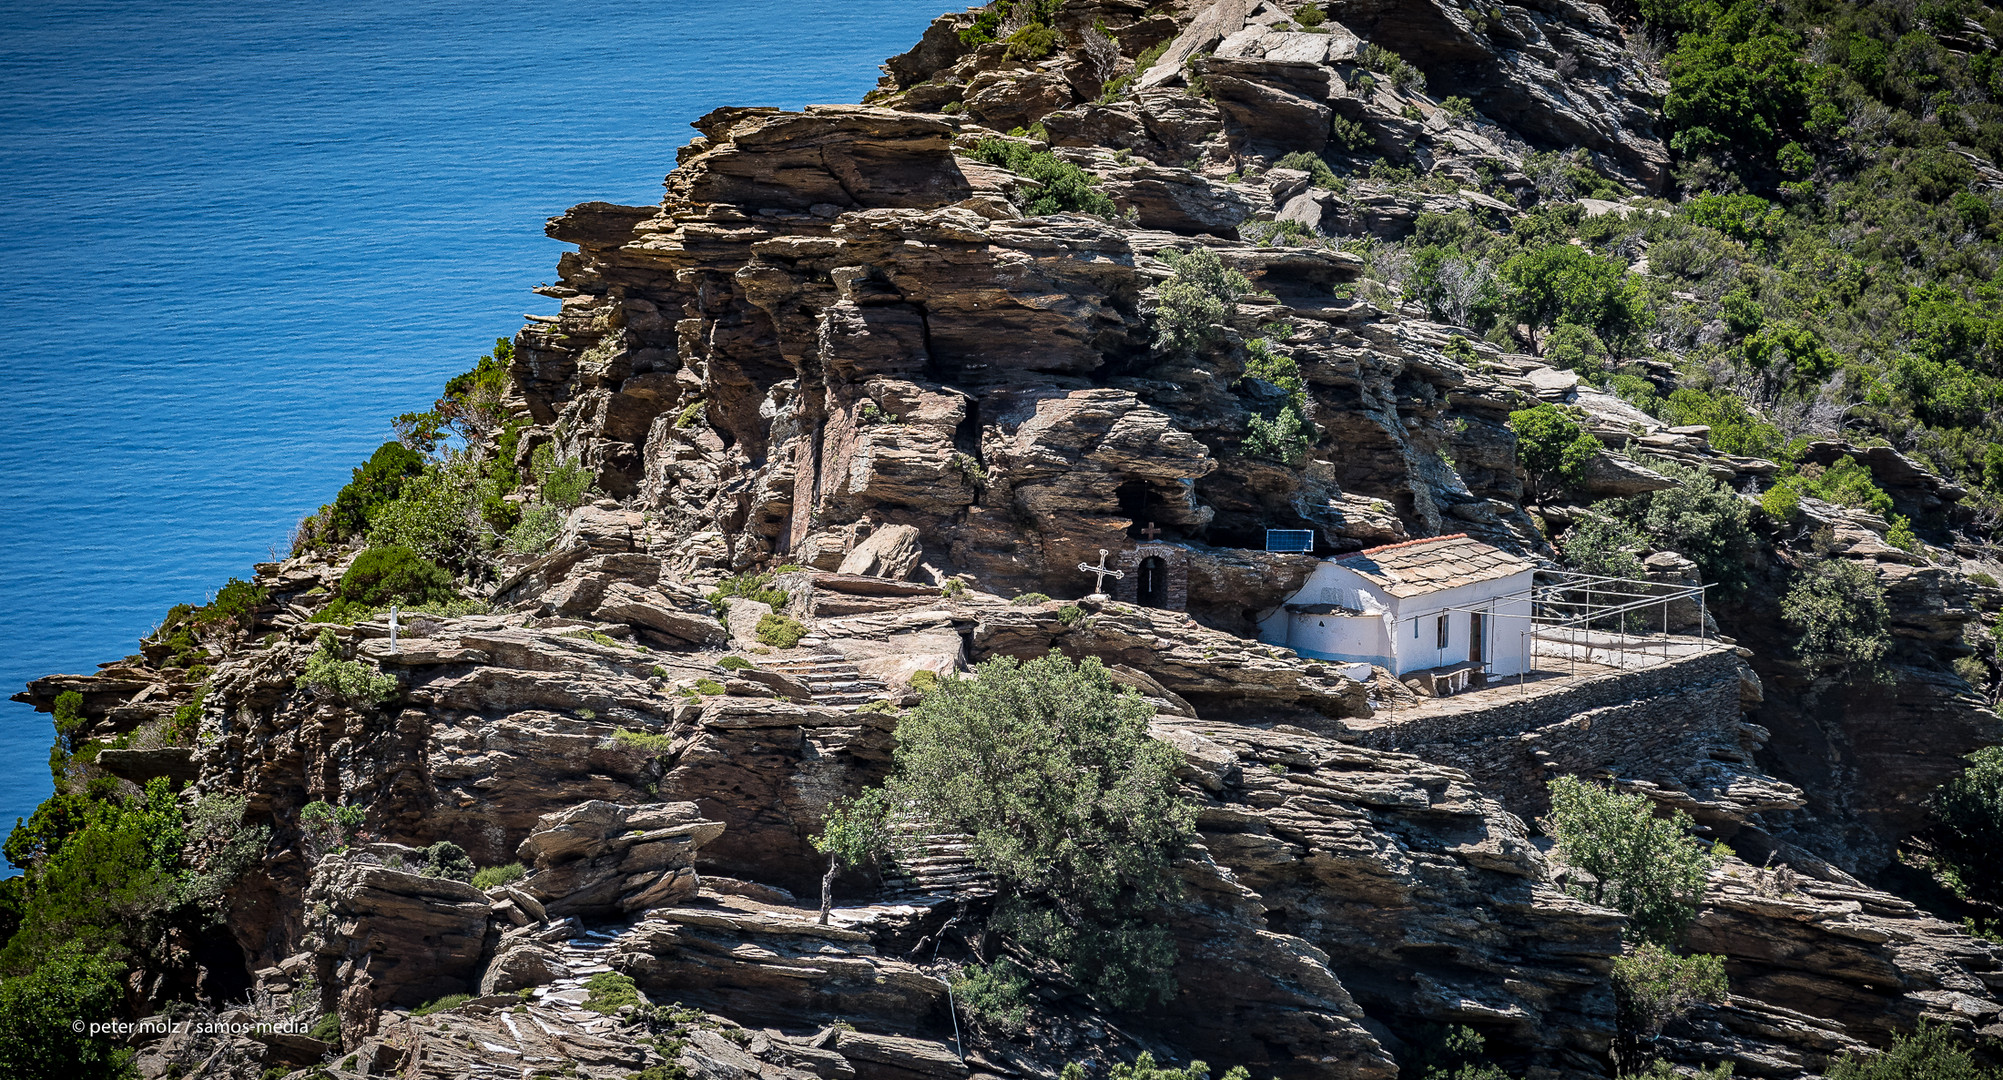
<point x="436" y="514"/>
<point x="608" y="991"/>
<point x="1190" y="307"/>
<point x="711" y="687"/>
<point x="1145" y="1068"/>
<point x="1049" y="767"/>
<point x="854" y="832"/>
<point x="1456" y="288"/>
<point x="1032" y="43"/>
<point x="924" y="681"/>
<point x="1735" y="429"/>
<point x="1065" y="188"/>
<point x="734" y="663"/>
<point x="779" y="631"/>
<point x="1968" y="821"/>
<point x="644" y="740"/>
<point x="325" y="827"/>
<point x="72" y="984"/>
<point x="381" y="576"/>
<point x="1392" y="66"/>
<point x="1028" y="599"/>
<point x="1654" y="987"/>
<point x="1287" y="437"/>
<point x="446" y="859"/>
<point x="375" y="483"/>
<point x="1603" y="544"/>
<point x="1930" y="1053"/>
<point x="1648" y="868"/>
<point x="1564" y="283"/>
<point x="1552" y="448"/>
<point x="1699" y="518"/>
<point x="349" y="682"/>
<point x="1839" y="607"/>
<point x="1319" y="174"/>
<point x="995" y="995"/>
<point x="747" y="587"/>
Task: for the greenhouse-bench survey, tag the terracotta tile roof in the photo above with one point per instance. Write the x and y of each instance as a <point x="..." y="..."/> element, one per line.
<point x="1436" y="563"/>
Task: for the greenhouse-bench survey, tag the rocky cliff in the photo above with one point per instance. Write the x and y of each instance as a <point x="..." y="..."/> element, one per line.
<point x="840" y="350"/>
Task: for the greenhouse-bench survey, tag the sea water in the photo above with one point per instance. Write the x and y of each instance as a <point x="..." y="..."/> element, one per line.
<point x="238" y="237"/>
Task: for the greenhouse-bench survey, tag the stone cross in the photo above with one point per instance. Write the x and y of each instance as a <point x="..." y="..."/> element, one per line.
<point x="1103" y="571"/>
<point x="1151" y="532"/>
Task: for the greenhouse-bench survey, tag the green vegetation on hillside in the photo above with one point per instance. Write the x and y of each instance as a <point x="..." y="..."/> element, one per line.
<point x="1048" y="766"/>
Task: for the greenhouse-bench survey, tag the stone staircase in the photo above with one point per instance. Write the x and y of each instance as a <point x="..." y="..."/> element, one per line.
<point x="832" y="679"/>
<point x="932" y="862"/>
<point x="585" y="955"/>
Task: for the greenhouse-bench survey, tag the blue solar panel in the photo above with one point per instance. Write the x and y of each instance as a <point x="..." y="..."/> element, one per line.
<point x="1290" y="540"/>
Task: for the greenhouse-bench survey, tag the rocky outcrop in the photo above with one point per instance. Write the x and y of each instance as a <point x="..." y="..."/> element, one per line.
<point x="387" y="934"/>
<point x="600" y="861"/>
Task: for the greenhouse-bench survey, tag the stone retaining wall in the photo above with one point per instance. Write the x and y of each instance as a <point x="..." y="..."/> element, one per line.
<point x="1662" y="724"/>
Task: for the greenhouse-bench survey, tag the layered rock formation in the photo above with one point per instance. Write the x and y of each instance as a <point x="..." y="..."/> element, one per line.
<point x="839" y="352"/>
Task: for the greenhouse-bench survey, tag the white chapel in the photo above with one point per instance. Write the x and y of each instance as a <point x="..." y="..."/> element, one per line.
<point x="1441" y="602"/>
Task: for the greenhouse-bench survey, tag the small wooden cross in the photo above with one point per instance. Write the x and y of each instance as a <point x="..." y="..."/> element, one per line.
<point x="1151" y="532"/>
<point x="1103" y="571"/>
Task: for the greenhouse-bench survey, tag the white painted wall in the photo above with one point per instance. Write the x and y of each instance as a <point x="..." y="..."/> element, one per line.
<point x="1385" y="635"/>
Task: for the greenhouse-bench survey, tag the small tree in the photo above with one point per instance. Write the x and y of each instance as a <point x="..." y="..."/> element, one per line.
<point x="1839" y="607"/>
<point x="1048" y="765"/>
<point x="1654" y="987"/>
<point x="1930" y="1053"/>
<point x="1649" y="868"/>
<point x="1968" y="811"/>
<point x="1552" y="448"/>
<point x="1191" y="307"/>
<point x="855" y="832"/>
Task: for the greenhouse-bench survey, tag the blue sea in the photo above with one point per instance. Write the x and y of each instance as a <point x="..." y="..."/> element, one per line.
<point x="238" y="237"/>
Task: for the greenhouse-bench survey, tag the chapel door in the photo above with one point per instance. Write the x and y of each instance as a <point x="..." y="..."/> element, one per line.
<point x="1153" y="586"/>
<point x="1474" y="636"/>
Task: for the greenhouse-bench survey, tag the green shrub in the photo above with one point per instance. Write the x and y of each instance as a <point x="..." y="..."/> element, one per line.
<point x="643" y="740"/>
<point x="1028" y="599"/>
<point x="1070" y="614"/>
<point x="1319" y="174"/>
<point x="608" y="991"/>
<point x="446" y="859"/>
<point x="1287" y="437"/>
<point x="381" y="576"/>
<point x="349" y="682"/>
<point x="1190" y="308"/>
<point x="327" y="1029"/>
<point x="779" y="631"/>
<point x="1649" y="868"/>
<point x="1699" y="518"/>
<point x="1839" y="607"/>
<point x="1781" y="502"/>
<point x="1968" y="820"/>
<point x="1604" y="545"/>
<point x="1654" y="987"/>
<point x="747" y="587"/>
<point x="1032" y="43"/>
<point x="1065" y="188"/>
<point x="1552" y="448"/>
<point x="37" y="1008"/>
<point x="711" y="687"/>
<point x="734" y="663"/>
<point x="186" y="721"/>
<point x="1930" y="1053"/>
<point x="1049" y="767"/>
<point x="995" y="995"/>
<point x="924" y="681"/>
<point x="1392" y="66"/>
<point x="375" y="483"/>
<point x="883" y="708"/>
<point x="1565" y="283"/>
<point x="439" y="1005"/>
<point x="694" y="413"/>
<point x="325" y="827"/>
<point x="488" y="877"/>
